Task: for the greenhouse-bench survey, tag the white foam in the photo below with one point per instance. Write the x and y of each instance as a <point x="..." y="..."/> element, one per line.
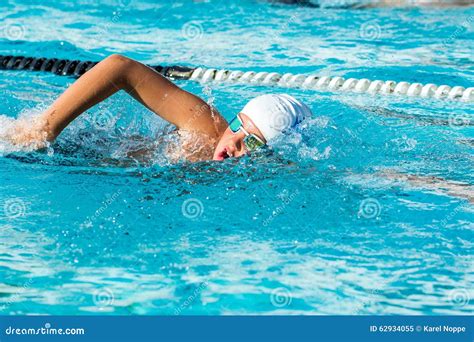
<point x="24" y="134"/>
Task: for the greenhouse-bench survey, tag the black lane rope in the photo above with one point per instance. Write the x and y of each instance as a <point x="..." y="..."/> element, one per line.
<point x="76" y="68"/>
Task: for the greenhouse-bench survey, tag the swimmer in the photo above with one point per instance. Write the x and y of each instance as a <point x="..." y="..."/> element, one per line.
<point x="204" y="132"/>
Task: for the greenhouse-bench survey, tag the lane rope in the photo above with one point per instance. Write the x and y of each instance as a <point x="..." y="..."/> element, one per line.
<point x="76" y="68"/>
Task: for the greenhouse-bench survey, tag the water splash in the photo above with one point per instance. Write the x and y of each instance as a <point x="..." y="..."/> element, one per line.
<point x="24" y="134"/>
<point x="84" y="143"/>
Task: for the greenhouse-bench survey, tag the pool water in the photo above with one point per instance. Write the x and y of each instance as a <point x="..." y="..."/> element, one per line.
<point x="367" y="208"/>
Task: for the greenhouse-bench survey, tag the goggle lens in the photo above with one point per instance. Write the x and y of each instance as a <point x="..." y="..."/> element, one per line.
<point x="252" y="143"/>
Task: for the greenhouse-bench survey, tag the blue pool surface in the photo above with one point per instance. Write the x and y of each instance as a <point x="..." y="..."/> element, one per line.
<point x="365" y="209"/>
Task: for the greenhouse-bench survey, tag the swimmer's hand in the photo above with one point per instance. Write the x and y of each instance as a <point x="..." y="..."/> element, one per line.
<point x="26" y="134"/>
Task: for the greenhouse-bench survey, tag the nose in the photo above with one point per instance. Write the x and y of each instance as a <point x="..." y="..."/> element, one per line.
<point x="230" y="148"/>
<point x="236" y="147"/>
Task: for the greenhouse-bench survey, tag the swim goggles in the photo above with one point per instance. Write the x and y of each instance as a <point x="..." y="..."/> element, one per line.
<point x="251" y="141"/>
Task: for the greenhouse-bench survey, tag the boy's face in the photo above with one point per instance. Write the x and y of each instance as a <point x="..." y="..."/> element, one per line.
<point x="232" y="144"/>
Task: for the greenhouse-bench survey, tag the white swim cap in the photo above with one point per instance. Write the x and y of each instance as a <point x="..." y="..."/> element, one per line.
<point x="273" y="114"/>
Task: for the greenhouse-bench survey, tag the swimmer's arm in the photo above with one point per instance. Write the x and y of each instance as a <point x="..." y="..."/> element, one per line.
<point x="177" y="106"/>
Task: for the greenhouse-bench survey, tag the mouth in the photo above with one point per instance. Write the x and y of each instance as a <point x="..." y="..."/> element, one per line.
<point x="222" y="155"/>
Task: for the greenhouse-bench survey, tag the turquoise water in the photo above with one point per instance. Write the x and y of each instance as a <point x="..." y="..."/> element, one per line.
<point x="365" y="209"/>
